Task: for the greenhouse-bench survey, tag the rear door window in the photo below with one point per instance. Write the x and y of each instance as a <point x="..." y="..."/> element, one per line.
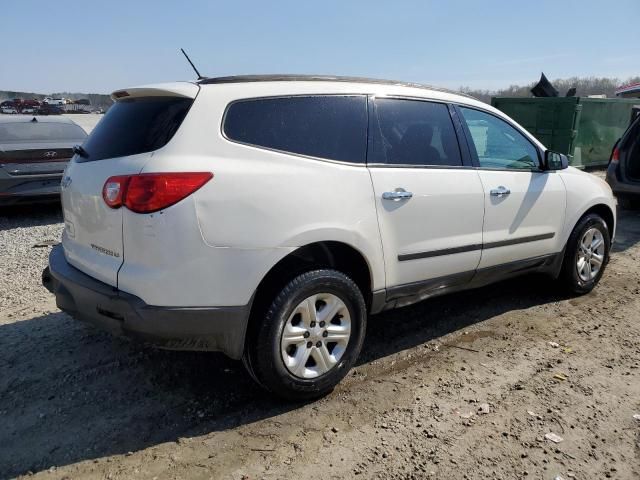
<point x="136" y="125"/>
<point x="330" y="127"/>
<point x="412" y="132"/>
<point x="40" y="132"/>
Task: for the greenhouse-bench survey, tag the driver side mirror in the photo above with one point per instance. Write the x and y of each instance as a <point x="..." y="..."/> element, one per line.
<point x="555" y="161"/>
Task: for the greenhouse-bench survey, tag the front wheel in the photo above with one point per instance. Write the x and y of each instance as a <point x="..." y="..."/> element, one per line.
<point x="586" y="255"/>
<point x="310" y="336"/>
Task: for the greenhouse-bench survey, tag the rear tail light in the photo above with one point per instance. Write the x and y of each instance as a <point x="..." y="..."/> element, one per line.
<point x="150" y="192"/>
<point x="615" y="156"/>
<point x="113" y="190"/>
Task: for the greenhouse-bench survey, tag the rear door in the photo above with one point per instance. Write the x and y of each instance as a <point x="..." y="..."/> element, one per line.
<point x="429" y="199"/>
<point x="139" y="123"/>
<point x="524" y="206"/>
<point x="629" y="153"/>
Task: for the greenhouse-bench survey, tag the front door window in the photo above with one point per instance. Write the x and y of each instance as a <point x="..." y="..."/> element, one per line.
<point x="497" y="144"/>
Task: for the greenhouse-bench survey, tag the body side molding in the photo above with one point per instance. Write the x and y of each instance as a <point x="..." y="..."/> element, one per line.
<point x="477" y="246"/>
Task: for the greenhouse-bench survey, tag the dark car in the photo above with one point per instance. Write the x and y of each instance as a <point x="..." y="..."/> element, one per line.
<point x="623" y="173"/>
<point x="34" y="152"/>
<point x="45" y="109"/>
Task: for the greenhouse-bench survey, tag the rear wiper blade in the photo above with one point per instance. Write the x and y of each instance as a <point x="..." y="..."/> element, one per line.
<point x="78" y="150"/>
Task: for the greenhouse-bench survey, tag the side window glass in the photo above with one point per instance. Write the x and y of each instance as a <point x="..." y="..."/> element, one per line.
<point x="332" y="126"/>
<point x="498" y="144"/>
<point x="412" y="132"/>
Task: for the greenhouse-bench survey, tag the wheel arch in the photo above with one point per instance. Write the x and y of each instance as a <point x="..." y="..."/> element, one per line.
<point x="603" y="210"/>
<point x="600" y="207"/>
<point x="566" y="269"/>
<point x="324" y="254"/>
<point x="607" y="215"/>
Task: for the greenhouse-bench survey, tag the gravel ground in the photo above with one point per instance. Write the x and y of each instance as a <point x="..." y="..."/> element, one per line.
<point x="464" y="386"/>
<point x="21" y="263"/>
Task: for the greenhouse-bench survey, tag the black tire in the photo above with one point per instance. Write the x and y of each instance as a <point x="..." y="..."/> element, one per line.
<point x="569" y="276"/>
<point x="263" y="357"/>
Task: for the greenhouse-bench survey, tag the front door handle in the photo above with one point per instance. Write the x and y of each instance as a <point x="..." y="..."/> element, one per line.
<point x="397" y="195"/>
<point x="500" y="192"/>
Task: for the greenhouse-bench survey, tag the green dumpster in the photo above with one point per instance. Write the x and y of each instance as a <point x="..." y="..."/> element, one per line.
<point x="583" y="128"/>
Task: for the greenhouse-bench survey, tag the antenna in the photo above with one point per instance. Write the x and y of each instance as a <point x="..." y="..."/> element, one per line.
<point x="200" y="77"/>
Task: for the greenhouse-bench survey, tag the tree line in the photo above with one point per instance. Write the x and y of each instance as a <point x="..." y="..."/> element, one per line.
<point x="584" y="86"/>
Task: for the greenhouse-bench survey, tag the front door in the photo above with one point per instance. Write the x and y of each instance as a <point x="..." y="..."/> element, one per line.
<point x="429" y="203"/>
<point x="524" y="206"/>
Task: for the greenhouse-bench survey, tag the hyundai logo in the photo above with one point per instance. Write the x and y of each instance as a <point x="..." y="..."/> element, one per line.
<point x="50" y="154"/>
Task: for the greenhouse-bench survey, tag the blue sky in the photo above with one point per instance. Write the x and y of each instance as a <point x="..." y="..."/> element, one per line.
<point x="87" y="46"/>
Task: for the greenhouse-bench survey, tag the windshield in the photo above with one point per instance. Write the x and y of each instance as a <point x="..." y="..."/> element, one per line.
<point x="136" y="125"/>
<point x="28" y="132"/>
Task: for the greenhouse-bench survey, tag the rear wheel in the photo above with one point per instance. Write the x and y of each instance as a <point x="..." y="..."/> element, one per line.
<point x="586" y="255"/>
<point x="310" y="336"/>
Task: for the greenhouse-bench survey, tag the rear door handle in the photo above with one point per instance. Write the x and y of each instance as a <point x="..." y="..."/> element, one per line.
<point x="500" y="192"/>
<point x="397" y="195"/>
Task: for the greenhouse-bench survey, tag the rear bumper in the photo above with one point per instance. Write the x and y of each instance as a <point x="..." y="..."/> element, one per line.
<point x="176" y="328"/>
<point x="29" y="189"/>
<point x="618" y="186"/>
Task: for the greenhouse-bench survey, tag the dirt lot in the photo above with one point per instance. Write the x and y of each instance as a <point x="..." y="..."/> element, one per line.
<point x="465" y="386"/>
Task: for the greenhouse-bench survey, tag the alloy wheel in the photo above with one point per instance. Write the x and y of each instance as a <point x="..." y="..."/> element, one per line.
<point x="591" y="252"/>
<point x="315" y="336"/>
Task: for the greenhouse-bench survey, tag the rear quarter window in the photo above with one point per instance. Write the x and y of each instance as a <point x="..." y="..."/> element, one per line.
<point x="329" y="127"/>
<point x="136" y="125"/>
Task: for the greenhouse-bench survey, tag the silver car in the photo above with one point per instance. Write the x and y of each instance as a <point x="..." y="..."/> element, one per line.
<point x="34" y="152"/>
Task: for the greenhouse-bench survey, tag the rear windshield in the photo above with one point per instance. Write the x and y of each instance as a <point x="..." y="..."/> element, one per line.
<point x="40" y="132"/>
<point x="136" y="125"/>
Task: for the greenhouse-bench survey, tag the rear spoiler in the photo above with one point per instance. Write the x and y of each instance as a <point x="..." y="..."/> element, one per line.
<point x="176" y="89"/>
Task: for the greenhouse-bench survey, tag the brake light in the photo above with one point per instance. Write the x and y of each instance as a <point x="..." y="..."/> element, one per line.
<point x="150" y="192"/>
<point x="615" y="155"/>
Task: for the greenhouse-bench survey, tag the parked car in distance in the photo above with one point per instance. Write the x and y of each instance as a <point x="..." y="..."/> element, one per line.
<point x="28" y="110"/>
<point x="54" y="101"/>
<point x="267" y="216"/>
<point x="31" y="103"/>
<point x="45" y="109"/>
<point x="34" y="152"/>
<point x="8" y="110"/>
<point x="623" y="172"/>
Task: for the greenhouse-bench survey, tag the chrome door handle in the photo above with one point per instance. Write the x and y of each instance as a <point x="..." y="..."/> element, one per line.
<point x="397" y="195"/>
<point x="500" y="192"/>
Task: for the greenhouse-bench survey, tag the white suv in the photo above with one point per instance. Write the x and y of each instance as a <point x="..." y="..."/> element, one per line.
<point x="267" y="216"/>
